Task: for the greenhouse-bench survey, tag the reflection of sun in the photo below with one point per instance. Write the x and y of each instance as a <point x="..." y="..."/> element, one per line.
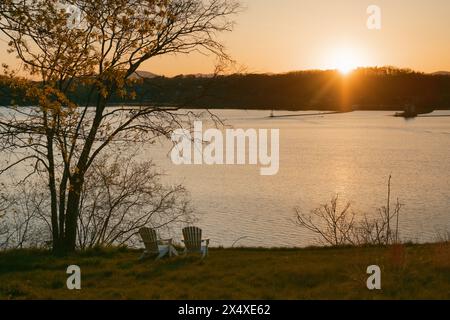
<point x="345" y="60"/>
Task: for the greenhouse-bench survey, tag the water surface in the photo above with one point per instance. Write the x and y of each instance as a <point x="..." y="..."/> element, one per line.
<point x="349" y="154"/>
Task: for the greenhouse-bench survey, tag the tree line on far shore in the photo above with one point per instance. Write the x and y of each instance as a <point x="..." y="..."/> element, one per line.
<point x="385" y="88"/>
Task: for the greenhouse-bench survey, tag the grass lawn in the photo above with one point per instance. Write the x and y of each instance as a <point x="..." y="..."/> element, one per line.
<point x="408" y="272"/>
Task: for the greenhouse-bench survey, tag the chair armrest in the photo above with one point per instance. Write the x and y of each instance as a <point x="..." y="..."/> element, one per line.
<point x="206" y="241"/>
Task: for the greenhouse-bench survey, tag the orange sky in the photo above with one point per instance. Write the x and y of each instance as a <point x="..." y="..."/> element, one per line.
<point x="285" y="35"/>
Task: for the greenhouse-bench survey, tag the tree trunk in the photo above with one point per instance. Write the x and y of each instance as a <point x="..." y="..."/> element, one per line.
<point x="58" y="247"/>
<point x="52" y="188"/>
<point x="72" y="211"/>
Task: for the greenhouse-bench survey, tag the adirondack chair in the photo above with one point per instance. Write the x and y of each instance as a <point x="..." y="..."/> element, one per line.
<point x="155" y="247"/>
<point x="193" y="241"/>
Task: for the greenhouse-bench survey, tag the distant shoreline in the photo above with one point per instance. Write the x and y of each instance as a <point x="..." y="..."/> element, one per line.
<point x="270" y="108"/>
<point x="317" y="110"/>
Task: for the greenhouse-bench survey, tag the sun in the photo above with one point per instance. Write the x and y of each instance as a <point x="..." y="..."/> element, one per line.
<point x="345" y="60"/>
<point x="346" y="68"/>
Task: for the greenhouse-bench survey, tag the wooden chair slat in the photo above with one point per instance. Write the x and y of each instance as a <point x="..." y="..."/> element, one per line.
<point x="193" y="240"/>
<point x="150" y="239"/>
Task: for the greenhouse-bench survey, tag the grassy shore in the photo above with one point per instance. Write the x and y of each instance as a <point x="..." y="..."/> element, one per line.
<point x="408" y="272"/>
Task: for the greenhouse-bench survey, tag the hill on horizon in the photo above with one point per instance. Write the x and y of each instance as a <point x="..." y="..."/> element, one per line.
<point x="144" y="74"/>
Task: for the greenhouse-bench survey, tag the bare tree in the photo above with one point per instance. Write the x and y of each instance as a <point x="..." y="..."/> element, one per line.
<point x="3" y="207"/>
<point x="3" y="201"/>
<point x="333" y="223"/>
<point x="26" y="224"/>
<point x="58" y="138"/>
<point x="338" y="227"/>
<point x="121" y="196"/>
<point x="376" y="230"/>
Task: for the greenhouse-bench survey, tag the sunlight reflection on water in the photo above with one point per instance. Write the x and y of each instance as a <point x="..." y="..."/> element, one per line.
<point x="351" y="154"/>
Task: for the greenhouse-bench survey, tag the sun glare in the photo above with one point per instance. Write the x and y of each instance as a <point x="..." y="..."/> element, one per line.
<point x="345" y="68"/>
<point x="345" y="61"/>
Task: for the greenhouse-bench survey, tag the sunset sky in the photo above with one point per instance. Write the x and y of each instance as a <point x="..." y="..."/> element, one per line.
<point x="286" y="35"/>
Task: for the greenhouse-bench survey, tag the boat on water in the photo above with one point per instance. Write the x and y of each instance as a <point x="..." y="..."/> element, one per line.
<point x="411" y="111"/>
